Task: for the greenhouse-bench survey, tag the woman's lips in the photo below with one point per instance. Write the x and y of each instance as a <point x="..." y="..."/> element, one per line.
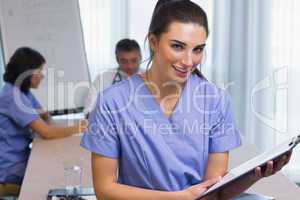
<point x="180" y="72"/>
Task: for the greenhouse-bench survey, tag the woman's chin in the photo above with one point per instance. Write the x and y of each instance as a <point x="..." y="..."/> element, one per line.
<point x="34" y="86"/>
<point x="181" y="79"/>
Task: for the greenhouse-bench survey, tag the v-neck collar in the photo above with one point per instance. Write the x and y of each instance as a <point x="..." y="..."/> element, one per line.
<point x="152" y="103"/>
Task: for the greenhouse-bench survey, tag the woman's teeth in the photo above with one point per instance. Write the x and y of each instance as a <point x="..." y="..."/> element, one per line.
<point x="179" y="69"/>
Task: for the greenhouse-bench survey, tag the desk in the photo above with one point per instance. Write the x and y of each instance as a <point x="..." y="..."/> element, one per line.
<point x="45" y="166"/>
<point x="45" y="170"/>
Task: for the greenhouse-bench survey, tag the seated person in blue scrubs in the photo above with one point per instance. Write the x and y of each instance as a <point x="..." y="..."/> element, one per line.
<point x="21" y="115"/>
<point x="166" y="133"/>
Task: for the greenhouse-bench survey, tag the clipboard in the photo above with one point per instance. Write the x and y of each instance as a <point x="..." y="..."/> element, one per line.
<point x="258" y="161"/>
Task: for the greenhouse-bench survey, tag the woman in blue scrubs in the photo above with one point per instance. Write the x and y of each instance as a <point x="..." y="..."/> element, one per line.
<point x="165" y="134"/>
<point x="20" y="115"/>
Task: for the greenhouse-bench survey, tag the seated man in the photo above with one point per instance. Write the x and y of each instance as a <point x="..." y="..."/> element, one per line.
<point x="128" y="56"/>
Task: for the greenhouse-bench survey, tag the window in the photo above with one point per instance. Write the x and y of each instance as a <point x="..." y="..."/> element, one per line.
<point x="1" y="65"/>
<point x="207" y="63"/>
<point x="103" y="25"/>
<point x="285" y="60"/>
<point x="105" y="22"/>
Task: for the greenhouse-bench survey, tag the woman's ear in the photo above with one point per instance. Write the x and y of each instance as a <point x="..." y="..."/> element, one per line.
<point x="153" y="42"/>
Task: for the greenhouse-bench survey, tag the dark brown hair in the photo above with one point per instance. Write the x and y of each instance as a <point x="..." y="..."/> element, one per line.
<point x="168" y="11"/>
<point x="23" y="60"/>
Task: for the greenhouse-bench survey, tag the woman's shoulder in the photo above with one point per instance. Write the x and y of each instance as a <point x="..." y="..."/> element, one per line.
<point x="120" y="92"/>
<point x="9" y="92"/>
<point x="214" y="95"/>
<point x="202" y="85"/>
<point x="11" y="95"/>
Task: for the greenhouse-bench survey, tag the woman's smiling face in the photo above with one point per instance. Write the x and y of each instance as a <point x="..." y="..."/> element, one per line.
<point x="178" y="51"/>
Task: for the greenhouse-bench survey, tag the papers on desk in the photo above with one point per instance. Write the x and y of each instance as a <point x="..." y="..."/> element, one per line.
<point x="259" y="161"/>
<point x="247" y="196"/>
<point x="78" y="134"/>
<point x="75" y="198"/>
<point x="82" y="193"/>
<point x="71" y="116"/>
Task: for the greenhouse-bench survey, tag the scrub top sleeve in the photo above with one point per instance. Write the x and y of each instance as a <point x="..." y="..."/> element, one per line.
<point x="224" y="135"/>
<point x="21" y="111"/>
<point x="101" y="135"/>
<point x="35" y="103"/>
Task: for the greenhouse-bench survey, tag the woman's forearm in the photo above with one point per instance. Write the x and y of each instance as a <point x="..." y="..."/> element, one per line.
<point x="60" y="132"/>
<point x="51" y="131"/>
<point x="115" y="191"/>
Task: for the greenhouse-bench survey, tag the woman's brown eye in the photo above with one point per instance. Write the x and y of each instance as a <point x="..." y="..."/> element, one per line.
<point x="176" y="46"/>
<point x="199" y="50"/>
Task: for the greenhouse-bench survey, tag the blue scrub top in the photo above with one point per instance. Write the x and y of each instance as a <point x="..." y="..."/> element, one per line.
<point x="155" y="151"/>
<point x="17" y="110"/>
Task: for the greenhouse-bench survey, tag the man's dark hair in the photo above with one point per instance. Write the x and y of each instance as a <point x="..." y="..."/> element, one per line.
<point x="127" y="45"/>
<point x="22" y="61"/>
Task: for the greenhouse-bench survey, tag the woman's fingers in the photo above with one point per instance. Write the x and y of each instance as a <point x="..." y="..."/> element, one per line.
<point x="289" y="155"/>
<point x="269" y="169"/>
<point x="210" y="182"/>
<point x="258" y="173"/>
<point x="281" y="163"/>
<point x="197" y="190"/>
<point x="82" y="125"/>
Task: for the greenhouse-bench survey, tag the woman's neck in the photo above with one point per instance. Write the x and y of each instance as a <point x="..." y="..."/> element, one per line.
<point x="160" y="86"/>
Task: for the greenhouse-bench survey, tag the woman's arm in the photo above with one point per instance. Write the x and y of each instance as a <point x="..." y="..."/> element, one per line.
<point x="44" y="115"/>
<point x="50" y="132"/>
<point x="106" y="186"/>
<point x="217" y="164"/>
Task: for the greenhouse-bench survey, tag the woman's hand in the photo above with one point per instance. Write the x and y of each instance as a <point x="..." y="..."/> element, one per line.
<point x="44" y="115"/>
<point x="82" y="125"/>
<point x="273" y="166"/>
<point x="248" y="180"/>
<point x="196" y="191"/>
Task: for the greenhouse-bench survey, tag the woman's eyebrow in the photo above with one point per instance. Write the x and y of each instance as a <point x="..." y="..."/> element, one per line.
<point x="184" y="44"/>
<point x="201" y="46"/>
<point x="177" y="41"/>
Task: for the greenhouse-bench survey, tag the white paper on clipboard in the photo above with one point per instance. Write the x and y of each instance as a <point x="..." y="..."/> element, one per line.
<point x="251" y="164"/>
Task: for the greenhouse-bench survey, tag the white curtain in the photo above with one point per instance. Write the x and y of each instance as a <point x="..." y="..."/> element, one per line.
<point x="285" y="50"/>
<point x="103" y="24"/>
<point x="241" y="64"/>
<point x="2" y="65"/>
<point x="254" y="56"/>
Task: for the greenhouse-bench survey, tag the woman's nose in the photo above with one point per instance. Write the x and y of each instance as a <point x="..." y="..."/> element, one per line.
<point x="187" y="59"/>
